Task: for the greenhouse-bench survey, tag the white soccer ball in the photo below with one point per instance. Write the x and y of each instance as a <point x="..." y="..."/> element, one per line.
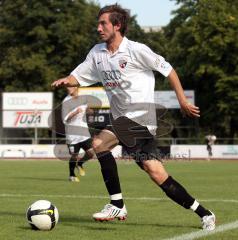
<point x="42" y="215"/>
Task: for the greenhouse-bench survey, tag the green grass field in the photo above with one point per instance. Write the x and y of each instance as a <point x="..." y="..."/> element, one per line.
<point x="151" y="215"/>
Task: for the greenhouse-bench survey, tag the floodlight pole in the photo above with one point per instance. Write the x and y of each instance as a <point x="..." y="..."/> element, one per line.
<point x="1" y="112"/>
<point x="36" y="136"/>
<point x="53" y="124"/>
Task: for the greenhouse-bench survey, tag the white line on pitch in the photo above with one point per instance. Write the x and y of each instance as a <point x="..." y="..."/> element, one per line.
<point x="106" y="197"/>
<point x="203" y="233"/>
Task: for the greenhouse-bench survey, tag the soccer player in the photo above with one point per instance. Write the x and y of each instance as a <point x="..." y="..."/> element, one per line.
<point x="210" y="140"/>
<point x="125" y="69"/>
<point x="74" y="117"/>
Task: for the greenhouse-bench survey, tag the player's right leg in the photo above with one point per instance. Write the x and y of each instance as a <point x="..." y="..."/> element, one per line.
<point x="102" y="145"/>
<point x="72" y="165"/>
<point x="72" y="162"/>
<point x="111" y="212"/>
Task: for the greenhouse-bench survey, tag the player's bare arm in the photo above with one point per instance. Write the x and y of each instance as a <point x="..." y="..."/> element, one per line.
<point x="186" y="107"/>
<point x="73" y="114"/>
<point x="69" y="81"/>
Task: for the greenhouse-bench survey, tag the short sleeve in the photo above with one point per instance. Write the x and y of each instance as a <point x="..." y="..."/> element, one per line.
<point x="70" y="105"/>
<point x="149" y="60"/>
<point x="65" y="110"/>
<point x="86" y="72"/>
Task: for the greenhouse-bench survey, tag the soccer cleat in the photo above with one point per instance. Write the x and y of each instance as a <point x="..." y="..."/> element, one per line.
<point x="73" y="179"/>
<point x="110" y="212"/>
<point x="81" y="171"/>
<point x="208" y="222"/>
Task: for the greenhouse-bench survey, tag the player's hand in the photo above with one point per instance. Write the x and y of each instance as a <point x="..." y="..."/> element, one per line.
<point x="189" y="109"/>
<point x="60" y="82"/>
<point x="89" y="111"/>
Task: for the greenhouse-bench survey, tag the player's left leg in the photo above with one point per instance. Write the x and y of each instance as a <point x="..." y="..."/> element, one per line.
<point x="89" y="153"/>
<point x="87" y="156"/>
<point x="81" y="160"/>
<point x="177" y="192"/>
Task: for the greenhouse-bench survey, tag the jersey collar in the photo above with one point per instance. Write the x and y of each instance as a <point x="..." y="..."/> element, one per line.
<point x="122" y="47"/>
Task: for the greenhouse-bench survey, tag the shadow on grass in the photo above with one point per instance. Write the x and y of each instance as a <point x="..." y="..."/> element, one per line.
<point x="26" y="228"/>
<point x="15" y="214"/>
<point x="42" y="179"/>
<point x="88" y="223"/>
<point x="161" y="225"/>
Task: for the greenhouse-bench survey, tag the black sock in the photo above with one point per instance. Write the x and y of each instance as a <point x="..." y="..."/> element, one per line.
<point x="110" y="175"/>
<point x="201" y="211"/>
<point x="72" y="164"/>
<point x="85" y="158"/>
<point x="118" y="203"/>
<point x="177" y="193"/>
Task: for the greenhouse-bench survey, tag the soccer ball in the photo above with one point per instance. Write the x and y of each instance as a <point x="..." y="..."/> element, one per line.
<point x="42" y="215"/>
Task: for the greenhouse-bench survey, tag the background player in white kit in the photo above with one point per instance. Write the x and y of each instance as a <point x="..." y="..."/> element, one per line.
<point x="76" y="131"/>
<point x="125" y="69"/>
<point x="210" y="140"/>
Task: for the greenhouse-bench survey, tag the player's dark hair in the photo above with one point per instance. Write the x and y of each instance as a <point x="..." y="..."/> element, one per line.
<point x="118" y="15"/>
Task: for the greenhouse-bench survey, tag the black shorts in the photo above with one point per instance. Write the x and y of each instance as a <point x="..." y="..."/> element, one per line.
<point x="75" y="148"/>
<point x="136" y="139"/>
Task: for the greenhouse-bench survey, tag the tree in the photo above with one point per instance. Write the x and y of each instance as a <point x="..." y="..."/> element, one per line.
<point x="43" y="40"/>
<point x="204" y="48"/>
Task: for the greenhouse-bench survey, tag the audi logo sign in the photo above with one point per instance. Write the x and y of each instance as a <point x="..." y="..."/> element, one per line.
<point x="12" y="101"/>
<point x="28" y="101"/>
<point x="27" y="110"/>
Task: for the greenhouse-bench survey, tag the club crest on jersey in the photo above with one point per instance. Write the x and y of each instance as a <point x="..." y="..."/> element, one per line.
<point x="122" y="63"/>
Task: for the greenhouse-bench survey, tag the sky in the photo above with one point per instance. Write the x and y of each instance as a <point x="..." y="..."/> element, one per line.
<point x="149" y="12"/>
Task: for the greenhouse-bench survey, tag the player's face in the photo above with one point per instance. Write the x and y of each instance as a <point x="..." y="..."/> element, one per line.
<point x="106" y="30"/>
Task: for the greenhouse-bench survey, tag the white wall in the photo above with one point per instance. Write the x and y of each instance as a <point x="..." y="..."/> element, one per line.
<point x="61" y="151"/>
<point x="200" y="151"/>
<point x="41" y="151"/>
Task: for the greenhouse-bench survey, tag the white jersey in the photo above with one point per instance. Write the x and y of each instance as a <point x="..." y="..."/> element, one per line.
<point x="127" y="76"/>
<point x="76" y="128"/>
<point x="211" y="139"/>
